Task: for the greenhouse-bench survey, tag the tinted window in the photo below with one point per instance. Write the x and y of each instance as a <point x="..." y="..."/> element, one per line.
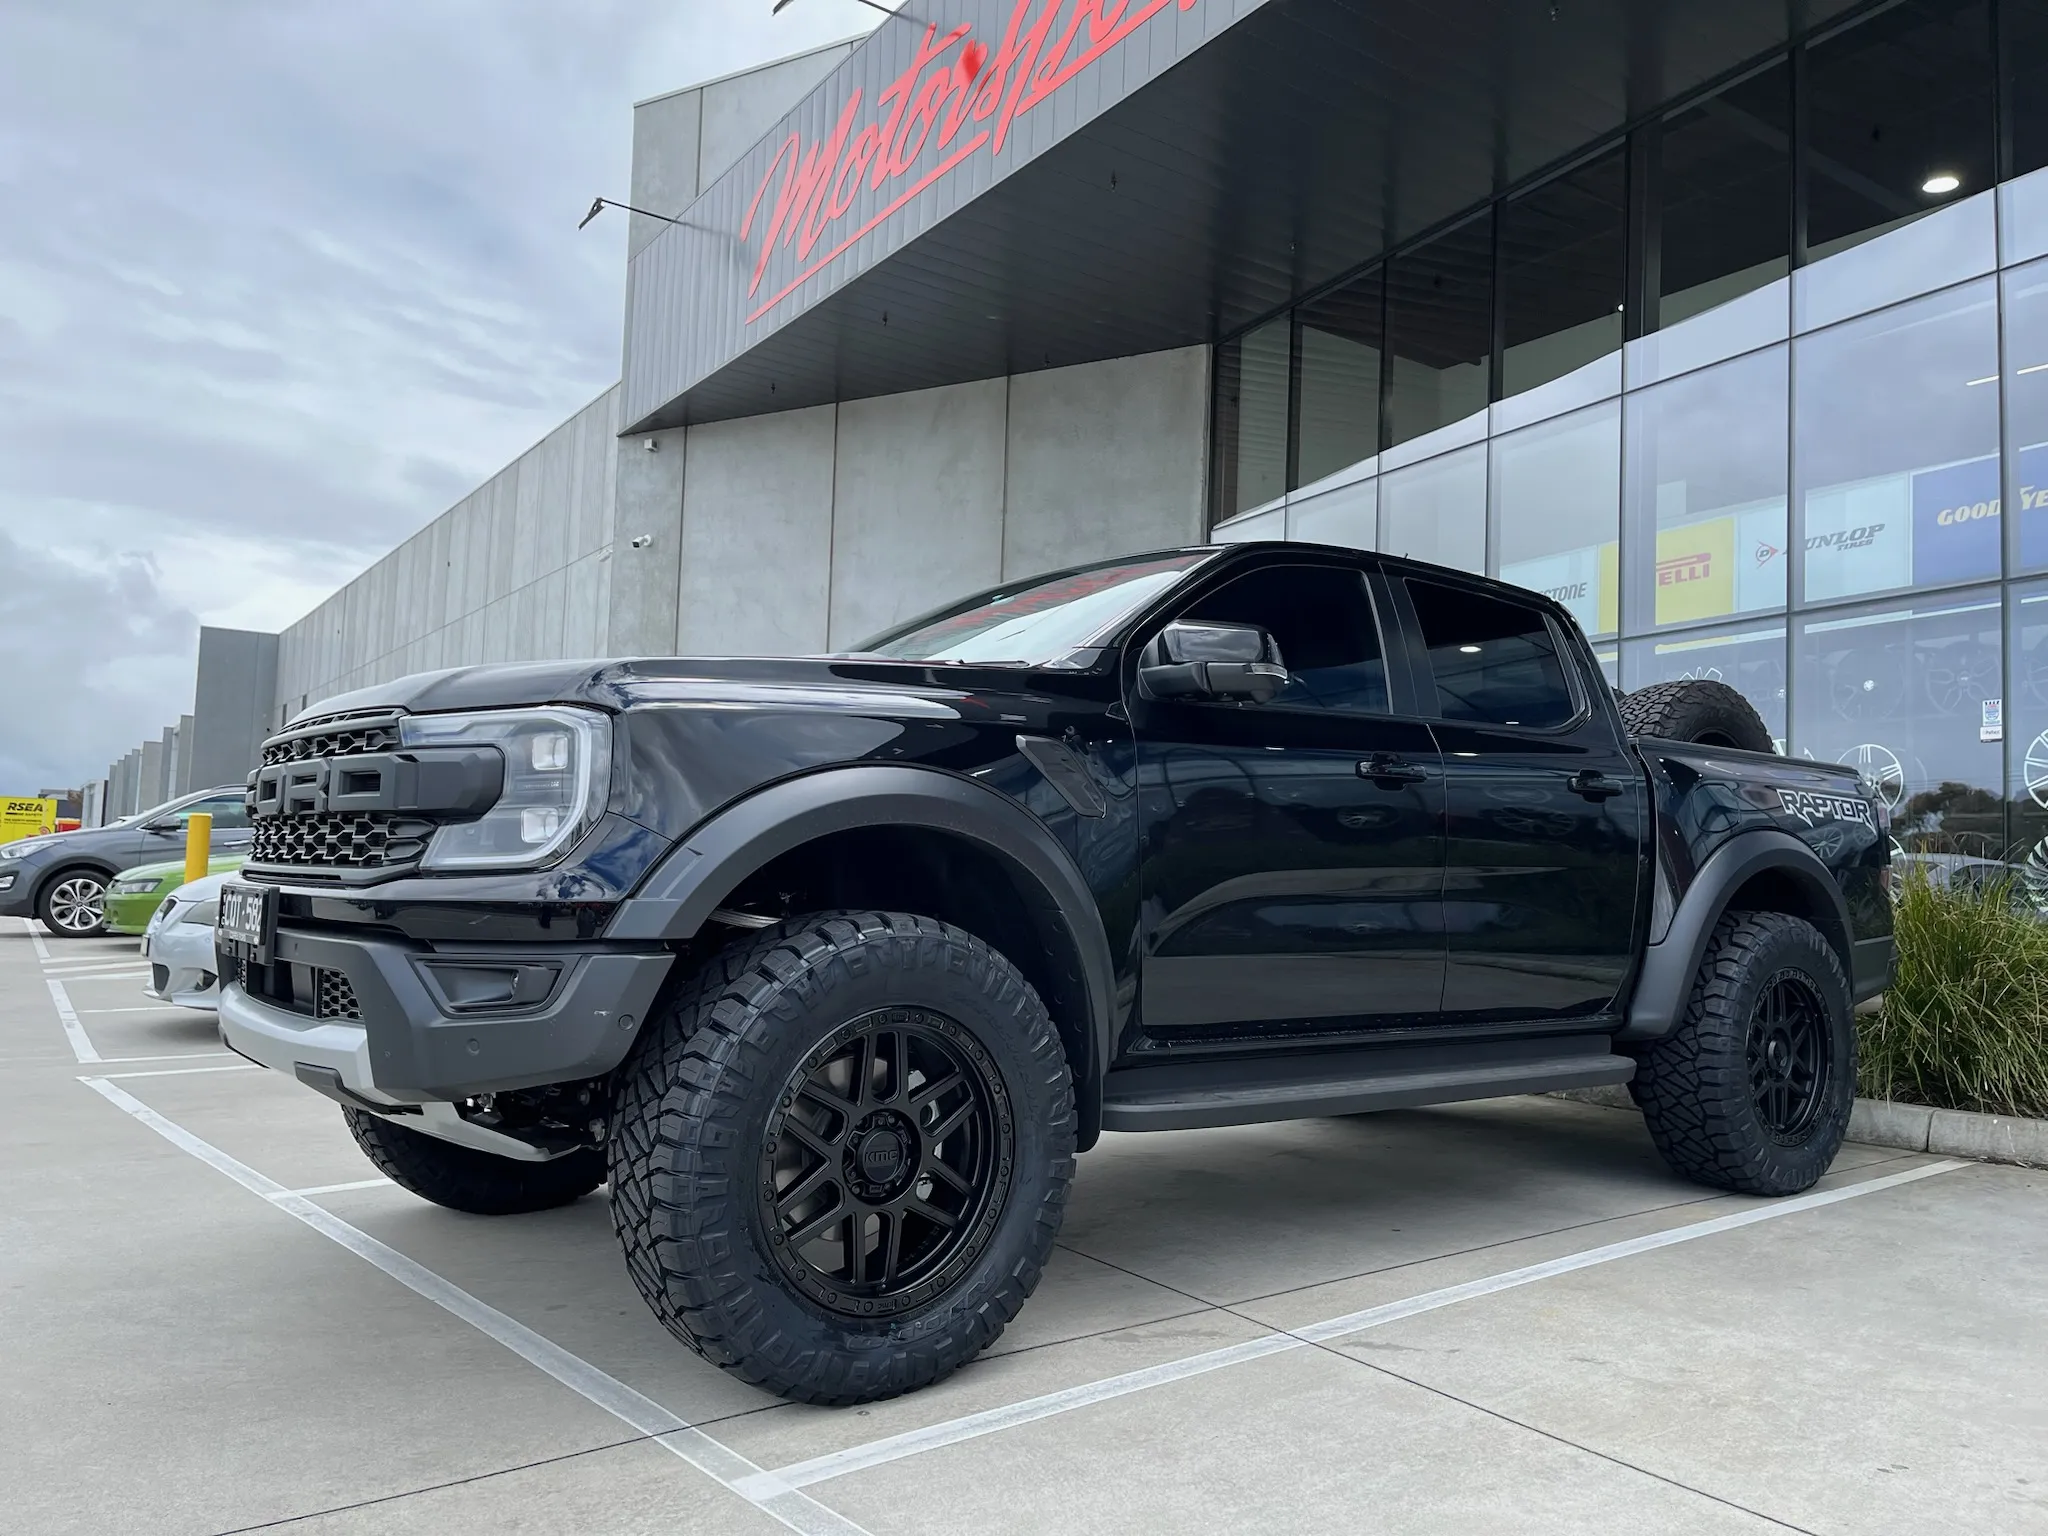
<point x="1495" y="662"/>
<point x="1321" y="619"/>
<point x="225" y="812"/>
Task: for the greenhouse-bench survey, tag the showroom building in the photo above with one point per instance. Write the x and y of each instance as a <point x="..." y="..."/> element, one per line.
<point x="1726" y="325"/>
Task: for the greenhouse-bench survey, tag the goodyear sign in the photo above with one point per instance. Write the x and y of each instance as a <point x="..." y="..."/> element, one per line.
<point x="26" y="818"/>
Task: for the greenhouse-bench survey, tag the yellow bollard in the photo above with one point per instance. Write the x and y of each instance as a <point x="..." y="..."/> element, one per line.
<point x="198" y="845"/>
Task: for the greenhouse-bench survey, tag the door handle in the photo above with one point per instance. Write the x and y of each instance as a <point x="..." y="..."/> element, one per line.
<point x="1594" y="785"/>
<point x="1390" y="772"/>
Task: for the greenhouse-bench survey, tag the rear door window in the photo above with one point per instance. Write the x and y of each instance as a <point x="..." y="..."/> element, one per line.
<point x="1494" y="662"/>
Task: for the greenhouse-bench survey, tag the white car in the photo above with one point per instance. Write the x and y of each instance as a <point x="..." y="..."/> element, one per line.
<point x="178" y="943"/>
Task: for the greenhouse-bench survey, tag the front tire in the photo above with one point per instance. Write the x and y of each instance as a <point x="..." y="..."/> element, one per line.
<point x="466" y="1179"/>
<point x="1752" y="1091"/>
<point x="72" y="906"/>
<point x="840" y="1157"/>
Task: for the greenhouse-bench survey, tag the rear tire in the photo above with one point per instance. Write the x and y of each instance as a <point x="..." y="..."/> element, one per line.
<point x="466" y="1179"/>
<point x="72" y="905"/>
<point x="840" y="1156"/>
<point x="1752" y="1091"/>
<point x="1697" y="710"/>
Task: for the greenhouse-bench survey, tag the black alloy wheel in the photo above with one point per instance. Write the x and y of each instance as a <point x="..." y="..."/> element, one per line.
<point x="1787" y="1056"/>
<point x="1752" y="1088"/>
<point x="886" y="1161"/>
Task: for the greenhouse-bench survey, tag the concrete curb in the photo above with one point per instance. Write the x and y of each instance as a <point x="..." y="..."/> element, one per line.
<point x="1908" y="1127"/>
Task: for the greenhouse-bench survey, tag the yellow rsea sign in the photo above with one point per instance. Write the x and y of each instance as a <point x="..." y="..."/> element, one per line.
<point x="26" y="818"/>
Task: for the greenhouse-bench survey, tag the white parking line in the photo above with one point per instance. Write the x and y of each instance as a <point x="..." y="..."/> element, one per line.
<point x="35" y="937"/>
<point x="914" y="1442"/>
<point x="81" y="1045"/>
<point x="336" y="1189"/>
<point x="137" y="1008"/>
<point x="233" y="1066"/>
<point x="798" y="1511"/>
<point x="179" y="1056"/>
<point x="115" y="975"/>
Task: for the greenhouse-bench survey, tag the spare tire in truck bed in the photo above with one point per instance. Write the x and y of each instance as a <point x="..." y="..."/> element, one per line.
<point x="1696" y="710"/>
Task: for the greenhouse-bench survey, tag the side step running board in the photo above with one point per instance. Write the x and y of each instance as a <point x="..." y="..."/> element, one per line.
<point x="1186" y="1095"/>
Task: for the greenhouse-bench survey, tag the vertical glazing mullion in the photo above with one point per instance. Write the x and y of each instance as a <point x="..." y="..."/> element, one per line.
<point x="1385" y="436"/>
<point x="1800" y="150"/>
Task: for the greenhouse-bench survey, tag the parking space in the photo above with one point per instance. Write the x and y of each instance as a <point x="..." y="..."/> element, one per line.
<point x="1504" y="1316"/>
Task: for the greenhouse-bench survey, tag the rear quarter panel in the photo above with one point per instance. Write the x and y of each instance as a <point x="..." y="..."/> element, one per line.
<point x="1707" y="795"/>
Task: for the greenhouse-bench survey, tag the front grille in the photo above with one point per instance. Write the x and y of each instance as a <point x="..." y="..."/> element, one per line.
<point x="343" y="740"/>
<point x="341" y="840"/>
<point x="333" y="997"/>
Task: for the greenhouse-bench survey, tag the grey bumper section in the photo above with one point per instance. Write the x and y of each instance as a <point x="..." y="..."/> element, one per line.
<point x="407" y="1049"/>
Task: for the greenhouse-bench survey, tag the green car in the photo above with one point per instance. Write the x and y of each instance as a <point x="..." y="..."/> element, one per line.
<point x="134" y="894"/>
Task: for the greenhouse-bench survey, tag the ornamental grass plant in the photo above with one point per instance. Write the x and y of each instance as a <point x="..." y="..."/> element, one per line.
<point x="1965" y="1024"/>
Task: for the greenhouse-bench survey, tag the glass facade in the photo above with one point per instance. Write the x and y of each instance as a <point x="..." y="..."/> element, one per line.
<point x="1758" y="390"/>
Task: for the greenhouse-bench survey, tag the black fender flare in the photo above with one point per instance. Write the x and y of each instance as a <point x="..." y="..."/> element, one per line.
<point x="1665" y="981"/>
<point x="680" y="893"/>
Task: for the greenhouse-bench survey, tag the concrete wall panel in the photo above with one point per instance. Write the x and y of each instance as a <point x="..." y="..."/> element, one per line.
<point x="757" y="536"/>
<point x="917" y="503"/>
<point x="1106" y="459"/>
<point x="652" y="475"/>
<point x="666" y="148"/>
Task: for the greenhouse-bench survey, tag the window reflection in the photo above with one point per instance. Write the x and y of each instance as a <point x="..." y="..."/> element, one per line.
<point x="1751" y="661"/>
<point x="1348" y="515"/>
<point x="1898" y="119"/>
<point x="1556" y="513"/>
<point x="1724" y="169"/>
<point x="2026" y="414"/>
<point x="1436" y="510"/>
<point x="1563" y="249"/>
<point x="1440" y="330"/>
<point x="1340" y="379"/>
<point x="1706" y="493"/>
<point x="1896" y="454"/>
<point x="1251" y="418"/>
<point x="2026" y="735"/>
<point x="1904" y="694"/>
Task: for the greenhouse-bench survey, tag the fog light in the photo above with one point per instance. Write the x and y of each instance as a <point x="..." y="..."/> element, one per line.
<point x="6" y="882"/>
<point x="539" y="823"/>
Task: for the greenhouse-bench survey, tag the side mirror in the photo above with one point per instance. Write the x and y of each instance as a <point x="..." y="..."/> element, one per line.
<point x="1228" y="663"/>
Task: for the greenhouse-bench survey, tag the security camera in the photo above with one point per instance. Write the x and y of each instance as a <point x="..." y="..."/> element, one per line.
<point x="643" y="541"/>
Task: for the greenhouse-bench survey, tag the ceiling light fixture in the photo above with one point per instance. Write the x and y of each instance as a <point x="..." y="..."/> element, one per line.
<point x="1940" y="183"/>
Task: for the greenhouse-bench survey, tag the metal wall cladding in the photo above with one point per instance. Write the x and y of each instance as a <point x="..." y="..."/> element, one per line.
<point x="765" y="244"/>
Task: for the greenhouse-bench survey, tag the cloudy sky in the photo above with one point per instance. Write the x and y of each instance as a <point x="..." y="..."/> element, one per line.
<point x="279" y="281"/>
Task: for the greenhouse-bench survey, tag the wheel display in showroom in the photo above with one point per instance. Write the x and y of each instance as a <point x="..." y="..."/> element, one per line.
<point x="1699" y="710"/>
<point x="1752" y="1091"/>
<point x="891" y="1095"/>
<point x="72" y="905"/>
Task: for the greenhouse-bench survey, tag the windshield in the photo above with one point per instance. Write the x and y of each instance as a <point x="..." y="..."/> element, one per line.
<point x="1039" y="621"/>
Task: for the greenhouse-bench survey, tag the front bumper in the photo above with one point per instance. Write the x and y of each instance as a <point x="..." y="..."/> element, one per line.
<point x="182" y="965"/>
<point x="406" y="1044"/>
<point x="18" y="899"/>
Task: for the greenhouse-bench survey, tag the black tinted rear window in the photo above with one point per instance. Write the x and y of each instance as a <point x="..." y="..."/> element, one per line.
<point x="1494" y="661"/>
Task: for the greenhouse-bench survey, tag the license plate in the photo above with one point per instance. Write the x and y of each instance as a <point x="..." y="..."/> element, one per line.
<point x="248" y="920"/>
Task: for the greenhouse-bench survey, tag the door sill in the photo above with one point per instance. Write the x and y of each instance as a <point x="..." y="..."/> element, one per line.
<point x="1247" y="1091"/>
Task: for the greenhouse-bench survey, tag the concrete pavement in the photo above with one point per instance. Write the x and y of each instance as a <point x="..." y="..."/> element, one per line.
<point x="191" y="1347"/>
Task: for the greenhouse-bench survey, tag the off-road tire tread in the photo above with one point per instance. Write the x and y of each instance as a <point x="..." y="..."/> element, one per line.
<point x="1693" y="1085"/>
<point x="1691" y="707"/>
<point x="468" y="1179"/>
<point x="679" y="1170"/>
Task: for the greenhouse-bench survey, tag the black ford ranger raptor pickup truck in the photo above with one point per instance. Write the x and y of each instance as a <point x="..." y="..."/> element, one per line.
<point x="830" y="966"/>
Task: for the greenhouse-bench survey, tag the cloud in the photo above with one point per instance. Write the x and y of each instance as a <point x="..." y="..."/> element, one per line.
<point x="277" y="285"/>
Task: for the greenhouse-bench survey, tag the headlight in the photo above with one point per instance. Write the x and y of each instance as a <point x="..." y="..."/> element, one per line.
<point x="204" y="912"/>
<point x="134" y="887"/>
<point x="558" y="765"/>
<point x="21" y="848"/>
